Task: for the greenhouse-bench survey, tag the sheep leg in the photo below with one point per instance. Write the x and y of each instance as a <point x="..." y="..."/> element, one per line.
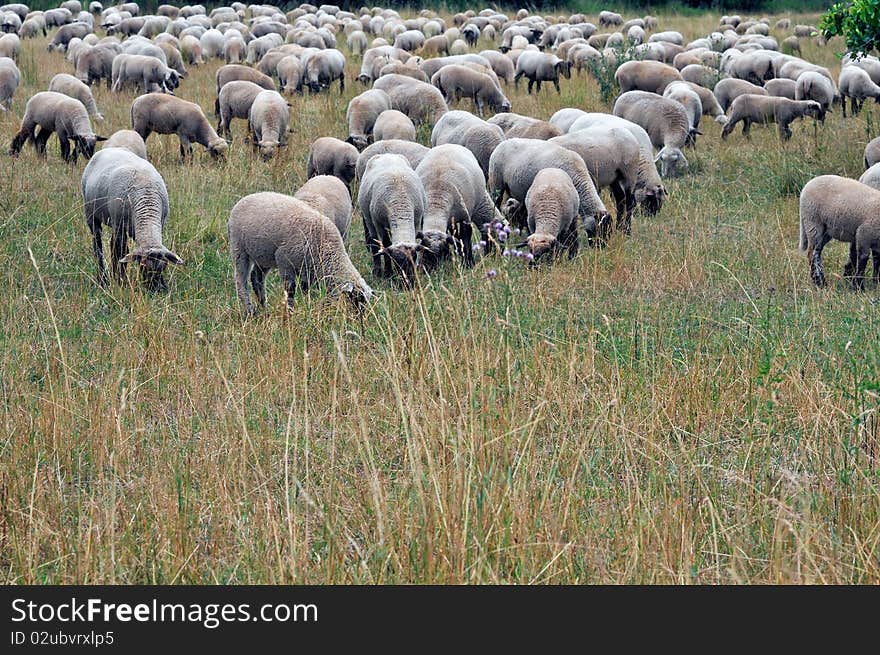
<point x="242" y="269"/>
<point x="479" y="105"/>
<point x="814" y="253"/>
<point x="853" y="108"/>
<point x="342" y="84"/>
<point x="571" y="240"/>
<point x="843" y="104"/>
<point x="784" y="131"/>
<point x="747" y="127"/>
<point x="186" y="149"/>
<point x="538" y="86"/>
<point x="516" y="80"/>
<point x="389" y="263"/>
<point x="556" y="84"/>
<point x="98" y="250"/>
<point x="118" y="251"/>
<point x="531" y="84"/>
<point x="258" y="282"/>
<point x="859" y="279"/>
<point x="620" y="202"/>
<point x="65" y="149"/>
<point x="25" y="134"/>
<point x="875" y="255"/>
<point x="42" y="136"/>
<point x="728" y="128"/>
<point x="850" y="267"/>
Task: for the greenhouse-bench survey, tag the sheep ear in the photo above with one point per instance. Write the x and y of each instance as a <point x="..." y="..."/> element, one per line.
<point x="101" y="138"/>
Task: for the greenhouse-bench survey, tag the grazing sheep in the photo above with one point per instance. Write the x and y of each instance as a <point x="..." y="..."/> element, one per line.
<point x="165" y="114"/>
<point x="191" y="49"/>
<point x="464" y="129"/>
<point x="145" y="70"/>
<point x="709" y="103"/>
<point x="357" y="42"/>
<point x="872" y="152"/>
<point x="540" y="67"/>
<point x="422" y="102"/>
<point x="392" y="124"/>
<point x="513" y="167"/>
<point x="833" y="207"/>
<point x="396" y="68"/>
<point x="392" y="202"/>
<point x="456" y="81"/>
<point x="10" y="46"/>
<point x="323" y="68"/>
<point x="856" y="84"/>
<point x="234" y="50"/>
<point x="361" y="115"/>
<point x="688" y="98"/>
<point x="236" y="99"/>
<point x="665" y="121"/>
<point x="96" y="64"/>
<point x="814" y="86"/>
<point x="551" y="205"/>
<point x="769" y="109"/>
<point x="609" y="18"/>
<point x="290" y="72"/>
<point x="791" y="45"/>
<point x="271" y="230"/>
<point x="653" y="76"/>
<point x="729" y="89"/>
<point x="70" y="86"/>
<point x="66" y="33"/>
<point x="232" y="72"/>
<point x="410" y="150"/>
<point x="524" y="127"/>
<point x="129" y="140"/>
<point x="268" y="120"/>
<point x="124" y="192"/>
<point x="456" y="200"/>
<point x="871" y="177"/>
<point x="500" y="64"/>
<point x="10" y="78"/>
<point x="699" y="74"/>
<point x="564" y="118"/>
<point x="330" y="156"/>
<point x="56" y="112"/>
<point x="329" y="196"/>
<point x="781" y="88"/>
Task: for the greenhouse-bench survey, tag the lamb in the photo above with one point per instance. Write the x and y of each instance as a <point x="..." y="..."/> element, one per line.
<point x="464" y="129"/>
<point x="10" y="78"/>
<point x="392" y="124"/>
<point x="524" y="127"/>
<point x="769" y="109"/>
<point x="323" y="68"/>
<point x="362" y="112"/>
<point x="129" y="140"/>
<point x="540" y="67"/>
<point x="329" y="196"/>
<point x="268" y="120"/>
<point x="856" y="84"/>
<point x="871" y="177"/>
<point x="653" y="76"/>
<point x="236" y="99"/>
<point x="232" y="72"/>
<point x="70" y="86"/>
<point x="165" y="114"/>
<point x="271" y="230"/>
<point x="392" y="202"/>
<point x="814" y="86"/>
<point x="127" y="194"/>
<point x="665" y="121"/>
<point x="833" y="207"/>
<point x="456" y="200"/>
<point x="422" y="102"/>
<point x="456" y="81"/>
<point x="513" y="167"/>
<point x="145" y="70"/>
<point x="552" y="205"/>
<point x="729" y="89"/>
<point x="872" y="152"/>
<point x="781" y="88"/>
<point x="688" y="98"/>
<point x="613" y="157"/>
<point x="330" y="156"/>
<point x="56" y="112"/>
<point x="410" y="150"/>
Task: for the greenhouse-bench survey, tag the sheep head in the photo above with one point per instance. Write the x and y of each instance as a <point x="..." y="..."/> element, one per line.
<point x="359" y="294"/>
<point x="436" y="248"/>
<point x="672" y="162"/>
<point x="404" y="258"/>
<point x="153" y="262"/>
<point x="85" y="143"/>
<point x="542" y="246"/>
<point x="218" y="147"/>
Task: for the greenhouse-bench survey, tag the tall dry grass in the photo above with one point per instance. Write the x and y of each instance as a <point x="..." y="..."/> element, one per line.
<point x="681" y="407"/>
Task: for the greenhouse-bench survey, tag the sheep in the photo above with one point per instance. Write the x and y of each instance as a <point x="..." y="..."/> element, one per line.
<point x="129" y="140"/>
<point x="653" y="76"/>
<point x="392" y="124"/>
<point x="290" y="72"/>
<point x="96" y="64"/>
<point x="268" y="119"/>
<point x="165" y="114"/>
<point x="609" y="18"/>
<point x="191" y="49"/>
<point x="67" y="32"/>
<point x="422" y="102"/>
<point x="10" y="78"/>
<point x="70" y="86"/>
<point x="781" y="88"/>
<point x="357" y="42"/>
<point x="551" y="205"/>
<point x="699" y="74"/>
<point x="613" y="157"/>
<point x="127" y="194"/>
<point x="456" y="81"/>
<point x="392" y="202"/>
<point x="361" y="115"/>
<point x="271" y="230"/>
<point x="709" y="103"/>
<point x="524" y="127"/>
<point x="513" y="167"/>
<point x="456" y="200"/>
<point x="464" y="129"/>
<point x="729" y="89"/>
<point x="145" y="70"/>
<point x="667" y="37"/>
<point x="56" y="112"/>
<point x="236" y="99"/>
<point x="431" y="66"/>
<point x="687" y="98"/>
<point x="233" y="72"/>
<point x="410" y="150"/>
<point x="330" y="156"/>
<point x="665" y="121"/>
<point x="755" y="67"/>
<point x="804" y="31"/>
<point x="540" y="67"/>
<point x="833" y="207"/>
<point x="765" y="109"/>
<point x="10" y="45"/>
<point x="856" y="84"/>
<point x="323" y="68"/>
<point x="329" y="196"/>
<point x="871" y="177"/>
<point x="565" y="117"/>
<point x="814" y="86"/>
<point x="397" y="68"/>
<point x="872" y="152"/>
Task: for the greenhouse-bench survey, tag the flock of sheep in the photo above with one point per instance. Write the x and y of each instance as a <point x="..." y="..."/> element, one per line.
<point x="481" y="181"/>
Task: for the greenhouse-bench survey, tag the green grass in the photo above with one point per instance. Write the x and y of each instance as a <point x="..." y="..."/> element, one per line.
<point x="680" y="407"/>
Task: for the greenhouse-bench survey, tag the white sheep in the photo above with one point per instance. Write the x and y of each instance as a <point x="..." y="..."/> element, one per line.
<point x="856" y="84"/>
<point x="268" y="119"/>
<point x="457" y="81"/>
<point x="270" y="230"/>
<point x="422" y="102"/>
<point x="330" y="156"/>
<point x="329" y="196"/>
<point x="811" y="85"/>
<point x="540" y="67"/>
<point x="56" y="112"/>
<point x="323" y="68"/>
<point x="361" y="115"/>
<point x="143" y="70"/>
<point x="410" y="150"/>
<point x="392" y="124"/>
<point x="665" y="121"/>
<point x="781" y="88"/>
<point x="871" y="177"/>
<point x="129" y="140"/>
<point x="517" y="126"/>
<point x="236" y="99"/>
<point x="127" y="194"/>
<point x="70" y="86"/>
<point x="10" y="78"/>
<point x="165" y="114"/>
<point x="464" y="129"/>
<point x="690" y="100"/>
<point x="551" y="205"/>
<point x="729" y="89"/>
<point x="653" y="76"/>
<point x="764" y="109"/>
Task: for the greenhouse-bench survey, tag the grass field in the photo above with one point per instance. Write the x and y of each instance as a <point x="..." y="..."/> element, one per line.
<point x="681" y="407"/>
